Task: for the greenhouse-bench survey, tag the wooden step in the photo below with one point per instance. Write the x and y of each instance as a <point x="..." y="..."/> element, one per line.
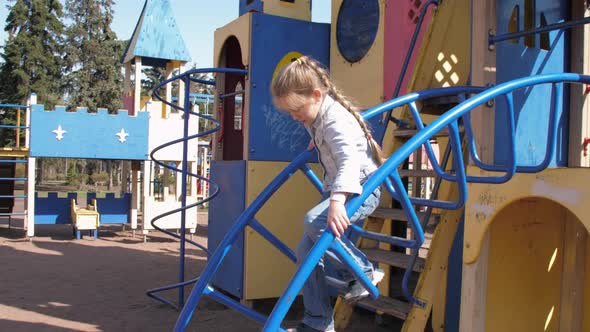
<point x="411" y="132"/>
<point x="399" y="214"/>
<point x="387" y="305"/>
<point x="393" y="258"/>
<point x="419" y="173"/>
<point x="439" y="105"/>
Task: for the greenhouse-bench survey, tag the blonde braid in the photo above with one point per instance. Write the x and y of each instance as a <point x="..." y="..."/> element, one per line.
<point x="339" y="97"/>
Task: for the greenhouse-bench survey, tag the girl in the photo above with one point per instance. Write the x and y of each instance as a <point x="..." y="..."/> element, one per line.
<point x="348" y="155"/>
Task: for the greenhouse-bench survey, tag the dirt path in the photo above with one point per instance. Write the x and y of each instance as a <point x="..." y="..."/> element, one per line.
<point x="54" y="283"/>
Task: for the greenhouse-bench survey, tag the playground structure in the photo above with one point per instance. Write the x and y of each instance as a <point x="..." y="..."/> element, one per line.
<point x="506" y="218"/>
<point x="146" y="190"/>
<point x="504" y="222"/>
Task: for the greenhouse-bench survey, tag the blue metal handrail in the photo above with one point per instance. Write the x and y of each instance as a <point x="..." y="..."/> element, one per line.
<point x="492" y="39"/>
<point x="412" y="46"/>
<point x="299" y="163"/>
<point x="448" y="119"/>
<point x="13" y="106"/>
<point x="187" y="78"/>
<point x="386" y="173"/>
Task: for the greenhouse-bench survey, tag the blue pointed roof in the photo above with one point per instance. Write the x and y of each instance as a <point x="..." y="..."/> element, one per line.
<point x="156" y="37"/>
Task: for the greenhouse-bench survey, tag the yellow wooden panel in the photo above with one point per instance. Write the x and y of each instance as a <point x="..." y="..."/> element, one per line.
<point x="566" y="186"/>
<point x="300" y="9"/>
<point x="444" y="58"/>
<point x="354" y="78"/>
<point x="524" y="267"/>
<point x="587" y="289"/>
<point x="239" y="28"/>
<point x="266" y="271"/>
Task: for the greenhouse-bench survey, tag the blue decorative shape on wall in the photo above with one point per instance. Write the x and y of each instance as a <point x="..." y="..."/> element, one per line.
<point x="274" y="136"/>
<point x="112" y="210"/>
<point x="88" y="135"/>
<point x="156" y="36"/>
<point x="356" y="28"/>
<point x="53" y="210"/>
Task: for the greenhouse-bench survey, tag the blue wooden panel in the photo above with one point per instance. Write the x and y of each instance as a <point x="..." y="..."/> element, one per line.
<point x="53" y="210"/>
<point x="356" y="28"/>
<point x="273" y="135"/>
<point x="250" y="5"/>
<point x="112" y="210"/>
<point x="157" y="35"/>
<point x="223" y="212"/>
<point x="455" y="280"/>
<point x="525" y="58"/>
<point x="88" y="135"/>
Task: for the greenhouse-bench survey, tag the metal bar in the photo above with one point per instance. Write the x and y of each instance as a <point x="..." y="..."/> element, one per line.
<point x="13" y="106"/>
<point x="13" y="161"/>
<point x="492" y="39"/>
<point x="13" y="196"/>
<point x="13" y="214"/>
<point x="231" y="94"/>
<point x="13" y="127"/>
<point x="312" y="177"/>
<point x="402" y="75"/>
<point x="18" y="128"/>
<point x="275" y="241"/>
<point x="13" y="179"/>
<point x="228" y="301"/>
<point x="187" y="86"/>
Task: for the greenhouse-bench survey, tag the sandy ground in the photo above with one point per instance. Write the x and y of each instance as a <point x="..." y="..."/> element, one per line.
<point x="55" y="283"/>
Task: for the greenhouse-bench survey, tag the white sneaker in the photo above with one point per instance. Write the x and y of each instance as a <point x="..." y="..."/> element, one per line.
<point x="357" y="292"/>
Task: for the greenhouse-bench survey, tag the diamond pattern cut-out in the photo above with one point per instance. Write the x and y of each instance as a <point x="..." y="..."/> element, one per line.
<point x="447" y="76"/>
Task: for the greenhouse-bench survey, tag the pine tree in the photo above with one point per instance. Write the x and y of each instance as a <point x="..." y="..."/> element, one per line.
<point x="31" y="57"/>
<point x="93" y="76"/>
<point x="32" y="54"/>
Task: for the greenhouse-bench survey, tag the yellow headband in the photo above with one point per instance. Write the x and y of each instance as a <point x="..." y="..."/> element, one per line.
<point x="299" y="61"/>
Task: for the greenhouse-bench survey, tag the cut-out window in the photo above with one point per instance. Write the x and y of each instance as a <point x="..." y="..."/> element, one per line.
<point x="447" y="76"/>
<point x="289" y="1"/>
<point x="513" y="24"/>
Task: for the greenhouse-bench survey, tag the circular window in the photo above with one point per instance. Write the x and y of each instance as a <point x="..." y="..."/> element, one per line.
<point x="356" y="28"/>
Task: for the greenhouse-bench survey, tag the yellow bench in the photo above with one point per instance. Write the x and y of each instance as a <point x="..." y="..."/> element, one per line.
<point x="85" y="218"/>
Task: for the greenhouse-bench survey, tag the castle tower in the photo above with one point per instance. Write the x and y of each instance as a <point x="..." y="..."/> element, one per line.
<point x="156" y="42"/>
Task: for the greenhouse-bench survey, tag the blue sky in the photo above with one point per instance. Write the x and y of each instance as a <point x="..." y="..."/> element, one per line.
<point x="197" y="22"/>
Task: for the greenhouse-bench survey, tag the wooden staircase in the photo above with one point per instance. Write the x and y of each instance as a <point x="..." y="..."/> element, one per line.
<point x="428" y="268"/>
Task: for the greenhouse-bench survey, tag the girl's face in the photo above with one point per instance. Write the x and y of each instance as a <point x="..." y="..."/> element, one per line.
<point x="301" y="108"/>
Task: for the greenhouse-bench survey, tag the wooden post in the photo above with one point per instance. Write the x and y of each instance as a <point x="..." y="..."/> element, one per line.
<point x="483" y="73"/>
<point x="137" y="93"/>
<point x="181" y="87"/>
<point x="579" y="122"/>
<point x="573" y="275"/>
<point x="169" y="71"/>
<point x="30" y="207"/>
<point x="474" y="291"/>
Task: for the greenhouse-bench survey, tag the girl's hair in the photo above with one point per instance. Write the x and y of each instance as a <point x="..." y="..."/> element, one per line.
<point x="305" y="74"/>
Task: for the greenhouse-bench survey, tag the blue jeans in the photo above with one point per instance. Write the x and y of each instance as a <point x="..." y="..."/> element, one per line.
<point x="319" y="313"/>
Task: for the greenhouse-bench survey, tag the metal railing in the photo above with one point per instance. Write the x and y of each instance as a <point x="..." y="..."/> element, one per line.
<point x="187" y="78"/>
